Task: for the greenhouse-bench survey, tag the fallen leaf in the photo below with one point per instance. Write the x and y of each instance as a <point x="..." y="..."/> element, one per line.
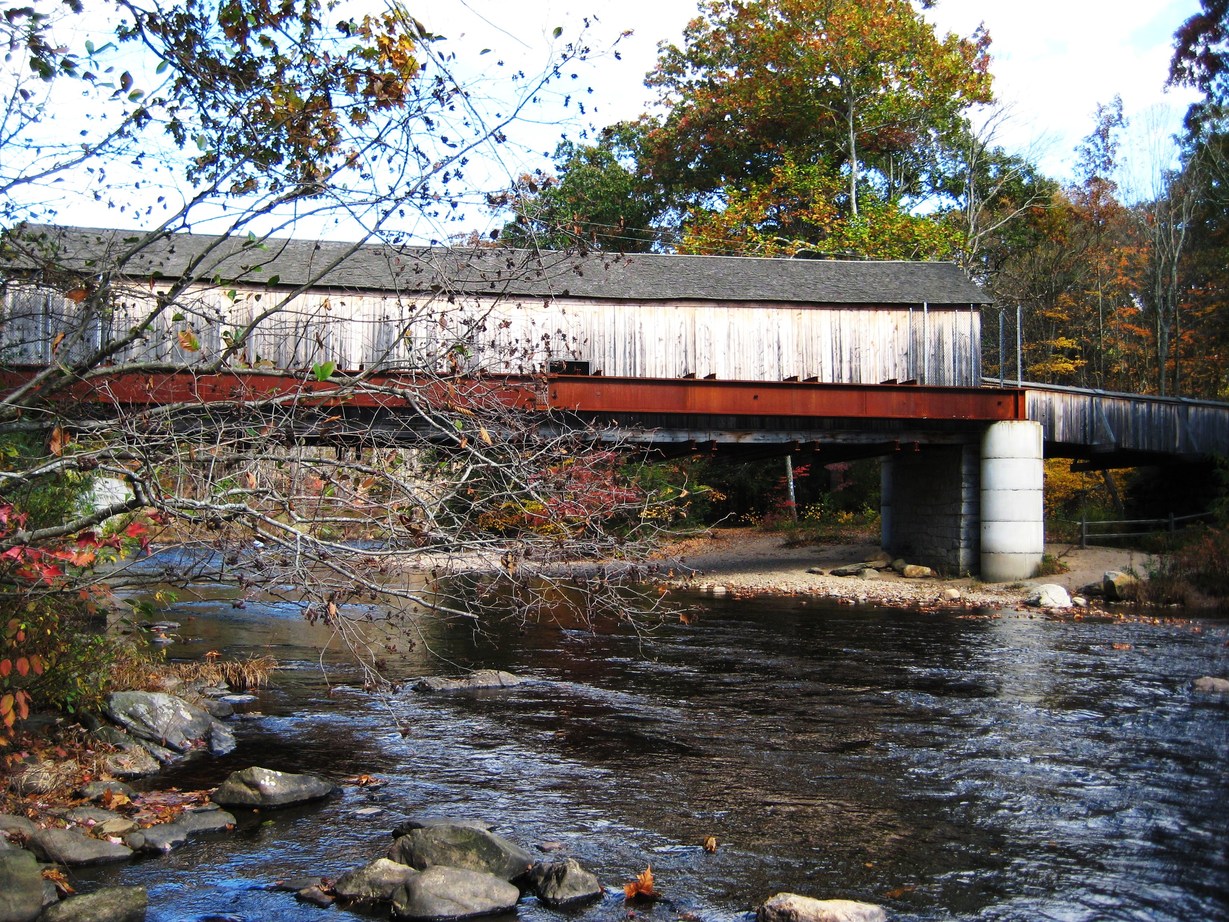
<point x="710" y="844"/>
<point x="642" y="887"/>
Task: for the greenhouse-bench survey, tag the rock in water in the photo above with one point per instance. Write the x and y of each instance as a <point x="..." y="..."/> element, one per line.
<point x="790" y="907"/>
<point x="110" y="904"/>
<point x="373" y="882"/>
<point x="264" y="787"/>
<point x="563" y="883"/>
<point x="21" y="886"/>
<point x="461" y="846"/>
<point x="1210" y="685"/>
<point x="480" y="679"/>
<point x="442" y="893"/>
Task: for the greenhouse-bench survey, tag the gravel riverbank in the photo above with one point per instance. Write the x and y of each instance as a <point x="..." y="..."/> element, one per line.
<point x="743" y="561"/>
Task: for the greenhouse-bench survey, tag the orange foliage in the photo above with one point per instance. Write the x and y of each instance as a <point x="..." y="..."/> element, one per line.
<point x="642" y="887"/>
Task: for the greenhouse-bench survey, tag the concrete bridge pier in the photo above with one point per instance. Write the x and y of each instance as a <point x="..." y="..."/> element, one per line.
<point x="1012" y="502"/>
<point x="974" y="507"/>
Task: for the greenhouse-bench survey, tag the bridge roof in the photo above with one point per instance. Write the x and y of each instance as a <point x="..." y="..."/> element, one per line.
<point x="593" y="275"/>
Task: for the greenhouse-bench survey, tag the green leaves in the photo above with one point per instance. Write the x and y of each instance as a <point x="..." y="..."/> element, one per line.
<point x="324" y="370"/>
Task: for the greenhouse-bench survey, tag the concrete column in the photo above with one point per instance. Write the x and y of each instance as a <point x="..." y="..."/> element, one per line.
<point x="1012" y="508"/>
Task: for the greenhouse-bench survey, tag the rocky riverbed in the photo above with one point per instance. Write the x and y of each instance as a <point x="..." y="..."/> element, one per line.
<point x="434" y="870"/>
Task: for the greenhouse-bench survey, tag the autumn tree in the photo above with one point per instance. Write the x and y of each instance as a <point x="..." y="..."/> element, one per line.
<point x="851" y="100"/>
<point x="1067" y="261"/>
<point x="247" y="122"/>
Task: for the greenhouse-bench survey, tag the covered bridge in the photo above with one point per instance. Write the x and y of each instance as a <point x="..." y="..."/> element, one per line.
<point x="966" y="492"/>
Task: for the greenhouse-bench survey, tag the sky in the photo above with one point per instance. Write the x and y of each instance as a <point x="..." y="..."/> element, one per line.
<point x="1054" y="61"/>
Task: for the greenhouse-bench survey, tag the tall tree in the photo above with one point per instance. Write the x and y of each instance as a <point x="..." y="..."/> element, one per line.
<point x="1201" y="60"/>
<point x="864" y="87"/>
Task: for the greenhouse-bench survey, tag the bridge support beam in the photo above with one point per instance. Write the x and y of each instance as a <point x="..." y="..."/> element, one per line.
<point x="1012" y="506"/>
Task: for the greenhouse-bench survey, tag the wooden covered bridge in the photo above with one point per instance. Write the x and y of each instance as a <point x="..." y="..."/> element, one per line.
<point x="683" y="353"/>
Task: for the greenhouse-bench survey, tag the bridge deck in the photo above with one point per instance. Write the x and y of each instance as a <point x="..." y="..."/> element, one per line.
<point x="1105" y="429"/>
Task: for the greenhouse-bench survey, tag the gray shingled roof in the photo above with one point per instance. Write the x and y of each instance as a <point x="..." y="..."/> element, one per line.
<point x="597" y="275"/>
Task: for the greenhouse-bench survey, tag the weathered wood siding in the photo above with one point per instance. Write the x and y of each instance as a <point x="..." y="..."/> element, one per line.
<point x="1107" y="422"/>
<point x="744" y="341"/>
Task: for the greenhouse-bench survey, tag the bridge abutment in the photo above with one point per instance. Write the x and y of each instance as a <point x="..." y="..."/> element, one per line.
<point x="929" y="504"/>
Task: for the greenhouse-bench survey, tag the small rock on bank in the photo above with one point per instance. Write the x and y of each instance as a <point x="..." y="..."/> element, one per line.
<point x="1048" y="595"/>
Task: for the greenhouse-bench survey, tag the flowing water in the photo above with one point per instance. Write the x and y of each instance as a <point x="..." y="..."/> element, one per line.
<point x="944" y="765"/>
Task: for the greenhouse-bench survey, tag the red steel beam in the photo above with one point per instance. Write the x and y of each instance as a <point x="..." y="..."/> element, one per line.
<point x="583" y="394"/>
<point x="770" y="398"/>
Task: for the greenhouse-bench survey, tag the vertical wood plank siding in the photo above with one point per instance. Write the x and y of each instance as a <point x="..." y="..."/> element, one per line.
<point x="744" y="341"/>
<point x="1124" y="421"/>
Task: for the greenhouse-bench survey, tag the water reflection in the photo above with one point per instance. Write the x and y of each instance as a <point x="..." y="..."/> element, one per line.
<point x="948" y="767"/>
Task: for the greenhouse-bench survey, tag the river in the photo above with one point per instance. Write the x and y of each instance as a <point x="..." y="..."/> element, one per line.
<point x="945" y="765"/>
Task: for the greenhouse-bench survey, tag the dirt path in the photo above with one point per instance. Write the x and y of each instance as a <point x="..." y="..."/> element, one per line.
<point x="745" y="561"/>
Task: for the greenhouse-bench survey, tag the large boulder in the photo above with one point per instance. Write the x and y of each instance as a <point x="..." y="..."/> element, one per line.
<point x="443" y="893"/>
<point x="428" y="822"/>
<point x="21" y="886"/>
<point x="263" y="787"/>
<point x="1117" y="586"/>
<point x="563" y="883"/>
<point x="70" y="847"/>
<point x="373" y="882"/>
<point x="168" y="721"/>
<point x="790" y="907"/>
<point x="110" y="904"/>
<point x="463" y="846"/>
<point x="1048" y="595"/>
